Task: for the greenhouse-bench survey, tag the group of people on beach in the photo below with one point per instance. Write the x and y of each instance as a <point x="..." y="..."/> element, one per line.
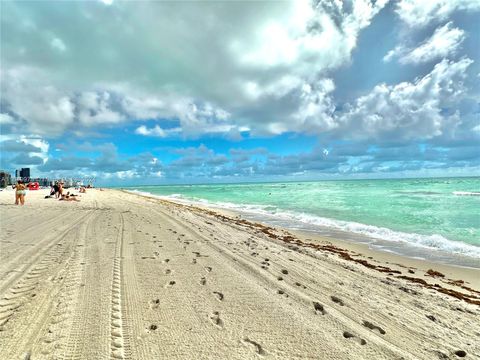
<point x="56" y="191"/>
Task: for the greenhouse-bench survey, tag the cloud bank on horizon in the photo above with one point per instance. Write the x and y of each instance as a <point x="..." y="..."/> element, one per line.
<point x="152" y="92"/>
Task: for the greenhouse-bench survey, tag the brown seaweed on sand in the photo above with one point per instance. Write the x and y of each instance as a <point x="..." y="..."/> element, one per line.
<point x="433" y="273"/>
<point x="343" y="253"/>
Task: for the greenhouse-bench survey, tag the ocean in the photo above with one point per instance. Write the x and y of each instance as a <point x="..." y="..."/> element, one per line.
<point x="436" y="218"/>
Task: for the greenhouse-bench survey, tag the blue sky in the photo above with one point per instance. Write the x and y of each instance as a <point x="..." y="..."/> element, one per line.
<point x="185" y="92"/>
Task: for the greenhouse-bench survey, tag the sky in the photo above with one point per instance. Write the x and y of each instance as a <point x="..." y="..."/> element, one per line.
<point x="150" y="92"/>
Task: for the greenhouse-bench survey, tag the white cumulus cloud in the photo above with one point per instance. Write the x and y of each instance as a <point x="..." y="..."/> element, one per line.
<point x="6" y="119"/>
<point x="223" y="68"/>
<point x="409" y="110"/>
<point x="419" y="13"/>
<point x="445" y="41"/>
<point x="94" y="108"/>
<point x="155" y="131"/>
<point x="58" y="45"/>
<point x="29" y="94"/>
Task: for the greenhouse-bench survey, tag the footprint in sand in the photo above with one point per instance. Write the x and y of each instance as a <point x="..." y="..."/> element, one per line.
<point x="319" y="309"/>
<point x="203" y="281"/>
<point x="194" y="261"/>
<point x="219" y="295"/>
<point x="371" y="326"/>
<point x="170" y="283"/>
<point x="208" y="269"/>
<point x="166" y="261"/>
<point x="337" y="300"/>
<point x="215" y="319"/>
<point x="168" y="271"/>
<point x="155" y="303"/>
<point x="256" y="346"/>
<point x="348" y="335"/>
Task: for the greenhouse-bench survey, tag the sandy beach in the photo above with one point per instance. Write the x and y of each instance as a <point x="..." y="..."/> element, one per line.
<point x="123" y="276"/>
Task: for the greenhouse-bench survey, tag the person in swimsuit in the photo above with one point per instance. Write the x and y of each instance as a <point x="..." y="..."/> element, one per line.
<point x="60" y="188"/>
<point x="68" y="197"/>
<point x="20" y="192"/>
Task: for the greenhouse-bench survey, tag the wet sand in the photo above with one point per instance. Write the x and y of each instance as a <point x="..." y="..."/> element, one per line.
<point x="119" y="275"/>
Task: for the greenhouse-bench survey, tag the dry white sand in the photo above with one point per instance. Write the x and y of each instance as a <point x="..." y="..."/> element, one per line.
<point x="123" y="276"/>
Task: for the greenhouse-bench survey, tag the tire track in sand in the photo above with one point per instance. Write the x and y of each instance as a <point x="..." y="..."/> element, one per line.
<point x="119" y="347"/>
<point x="28" y="310"/>
<point x="126" y="317"/>
<point x="57" y="332"/>
<point x="35" y="255"/>
<point x="89" y="335"/>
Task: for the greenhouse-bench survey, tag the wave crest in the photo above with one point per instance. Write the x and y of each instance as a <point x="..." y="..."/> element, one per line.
<point x="466" y="193"/>
<point x="309" y="222"/>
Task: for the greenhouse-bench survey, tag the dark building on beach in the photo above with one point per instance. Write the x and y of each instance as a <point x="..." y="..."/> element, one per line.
<point x="23" y="173"/>
<point x="5" y="179"/>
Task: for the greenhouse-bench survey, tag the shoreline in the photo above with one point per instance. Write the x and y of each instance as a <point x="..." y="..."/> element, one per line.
<point x="129" y="276"/>
<point x="367" y="244"/>
<point x="470" y="275"/>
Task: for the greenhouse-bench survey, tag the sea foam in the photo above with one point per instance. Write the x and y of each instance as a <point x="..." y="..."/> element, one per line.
<point x="466" y="193"/>
<point x="309" y="222"/>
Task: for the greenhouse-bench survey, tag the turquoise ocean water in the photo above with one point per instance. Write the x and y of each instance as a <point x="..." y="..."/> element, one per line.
<point x="418" y="217"/>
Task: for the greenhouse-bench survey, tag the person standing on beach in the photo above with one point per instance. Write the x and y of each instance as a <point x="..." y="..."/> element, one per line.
<point x="20" y="192"/>
<point x="55" y="188"/>
<point x="60" y="189"/>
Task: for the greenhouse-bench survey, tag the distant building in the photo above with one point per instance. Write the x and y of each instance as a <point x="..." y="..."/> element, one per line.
<point x="5" y="179"/>
<point x="25" y="173"/>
